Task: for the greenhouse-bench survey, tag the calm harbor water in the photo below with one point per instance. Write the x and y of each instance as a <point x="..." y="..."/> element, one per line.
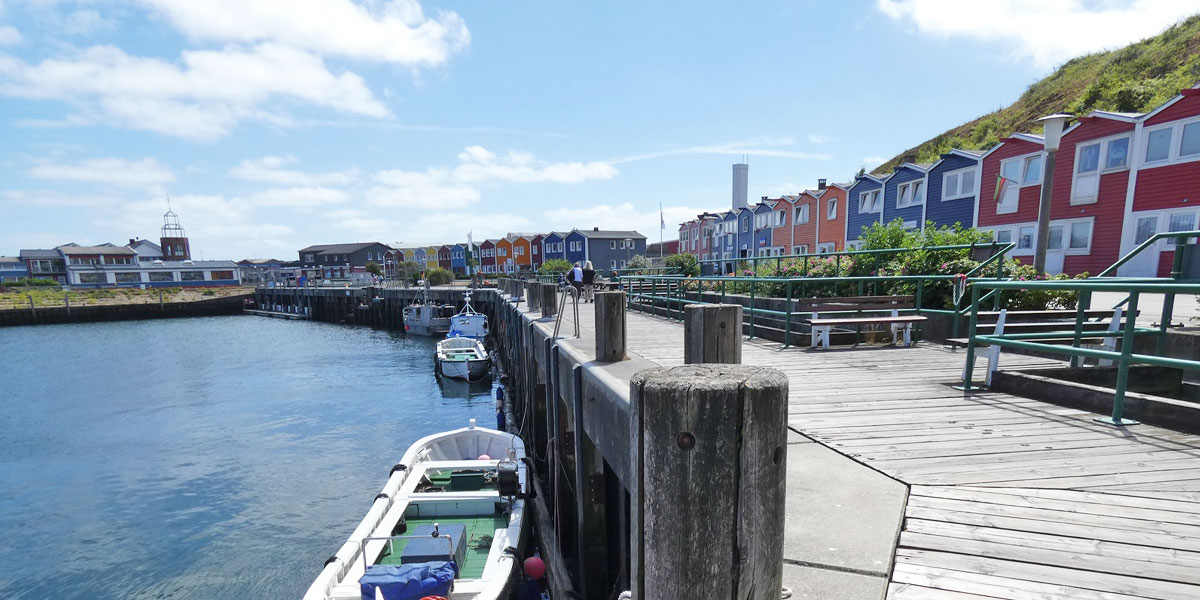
<point x="221" y="457"/>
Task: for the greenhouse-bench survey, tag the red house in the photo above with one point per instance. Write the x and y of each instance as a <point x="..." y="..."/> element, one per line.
<point x="536" y="252"/>
<point x="783" y="235"/>
<point x="487" y="256"/>
<point x="1008" y="206"/>
<point x="1165" y="183"/>
<point x="443" y="257"/>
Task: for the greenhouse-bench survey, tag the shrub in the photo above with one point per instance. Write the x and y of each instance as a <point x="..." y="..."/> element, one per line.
<point x="687" y="264"/>
<point x="439" y="276"/>
<point x="555" y="266"/>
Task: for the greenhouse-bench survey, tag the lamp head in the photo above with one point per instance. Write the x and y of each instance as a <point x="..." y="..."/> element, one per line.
<point x="1054" y="125"/>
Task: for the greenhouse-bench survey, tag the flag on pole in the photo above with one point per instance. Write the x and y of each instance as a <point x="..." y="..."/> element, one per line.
<point x="1000" y="181"/>
<point x="661" y="220"/>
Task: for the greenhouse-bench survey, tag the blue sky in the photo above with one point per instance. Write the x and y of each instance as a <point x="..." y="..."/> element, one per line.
<point x="274" y="124"/>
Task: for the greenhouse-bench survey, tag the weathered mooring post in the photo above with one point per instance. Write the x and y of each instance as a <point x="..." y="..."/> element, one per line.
<point x="610" y="326"/>
<point x="549" y="299"/>
<point x="712" y="333"/>
<point x="708" y="473"/>
<point x="533" y="297"/>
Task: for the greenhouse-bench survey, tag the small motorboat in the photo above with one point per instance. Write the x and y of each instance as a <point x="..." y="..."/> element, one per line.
<point x="450" y="522"/>
<point x="462" y="358"/>
<point x="467" y="322"/>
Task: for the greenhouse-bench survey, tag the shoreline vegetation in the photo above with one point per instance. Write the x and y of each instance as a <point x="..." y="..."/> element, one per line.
<point x="17" y="296"/>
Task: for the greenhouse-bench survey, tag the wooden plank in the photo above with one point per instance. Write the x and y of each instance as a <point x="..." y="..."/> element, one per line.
<point x="970" y="584"/>
<point x="905" y="591"/>
<point x="1092" y="497"/>
<point x="1103" y="582"/>
<point x="1151" y="479"/>
<point x="1086" y="471"/>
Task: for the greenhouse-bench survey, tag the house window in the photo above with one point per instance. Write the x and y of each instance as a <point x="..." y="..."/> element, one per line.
<point x="958" y="184"/>
<point x="745" y="225"/>
<point x="1056" y="234"/>
<point x="162" y="276"/>
<point x="854" y="245"/>
<point x="118" y="260"/>
<point x="1181" y="222"/>
<point x="1146" y="228"/>
<point x="1113" y="154"/>
<point x="1025" y="238"/>
<point x="1081" y="236"/>
<point x="1004" y="236"/>
<point x="803" y="249"/>
<point x="868" y="202"/>
<point x="1158" y="145"/>
<point x="1118" y="154"/>
<point x="612" y="264"/>
<point x="191" y="276"/>
<point x="909" y="194"/>
<point x="831" y="212"/>
<point x="535" y="249"/>
<point x="612" y="245"/>
<point x="82" y="260"/>
<point x="1190" y="144"/>
<point x="826" y="248"/>
<point x="780" y="218"/>
<point x="93" y="278"/>
<point x="802" y="214"/>
<point x="129" y="277"/>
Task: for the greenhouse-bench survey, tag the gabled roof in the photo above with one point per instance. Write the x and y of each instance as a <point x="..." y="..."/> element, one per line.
<point x="604" y="234"/>
<point x="1184" y="93"/>
<point x="340" y="248"/>
<point x="76" y="250"/>
<point x="139" y="243"/>
<point x="11" y="259"/>
<point x="40" y="254"/>
<point x="1024" y="137"/>
<point x="974" y="155"/>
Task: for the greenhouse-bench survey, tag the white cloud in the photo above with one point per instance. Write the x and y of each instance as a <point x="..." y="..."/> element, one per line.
<point x="395" y="31"/>
<point x="442" y="227"/>
<point x="1043" y="31"/>
<point x="87" y="22"/>
<point x="760" y="146"/>
<point x="220" y="227"/>
<point x="871" y="162"/>
<point x="270" y="169"/>
<point x="202" y="99"/>
<point x="26" y="199"/>
<point x="9" y="35"/>
<point x="816" y="138"/>
<point x="145" y="173"/>
<point x="458" y="185"/>
<point x="298" y="197"/>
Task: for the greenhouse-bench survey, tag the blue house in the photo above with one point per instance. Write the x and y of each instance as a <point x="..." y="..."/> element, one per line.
<point x="458" y="259"/>
<point x="745" y="233"/>
<point x="864" y="206"/>
<point x="764" y="228"/>
<point x="613" y="249"/>
<point x="553" y="247"/>
<point x="419" y="256"/>
<point x="13" y="269"/>
<point x="952" y="188"/>
<point x="904" y="195"/>
<point x="725" y="242"/>
<point x="576" y="243"/>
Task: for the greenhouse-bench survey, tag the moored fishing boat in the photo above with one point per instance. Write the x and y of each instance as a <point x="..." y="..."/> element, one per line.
<point x="449" y="522"/>
<point x="467" y="322"/>
<point x="424" y="317"/>
<point x="462" y="358"/>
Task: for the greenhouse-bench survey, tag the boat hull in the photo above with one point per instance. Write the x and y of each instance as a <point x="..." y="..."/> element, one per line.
<point x="471" y="370"/>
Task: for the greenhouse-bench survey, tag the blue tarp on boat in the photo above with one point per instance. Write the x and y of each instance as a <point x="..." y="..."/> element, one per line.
<point x="408" y="582"/>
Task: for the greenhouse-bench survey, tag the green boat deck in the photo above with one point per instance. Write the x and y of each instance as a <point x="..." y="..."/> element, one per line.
<point x="479" y="532"/>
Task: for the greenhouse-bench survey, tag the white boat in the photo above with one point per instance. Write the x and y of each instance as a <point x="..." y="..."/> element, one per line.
<point x="462" y="358"/>
<point x="467" y="322"/>
<point x="449" y="514"/>
<point x="424" y="317"/>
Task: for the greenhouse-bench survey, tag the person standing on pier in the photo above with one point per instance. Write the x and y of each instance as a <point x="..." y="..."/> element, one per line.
<point x="589" y="281"/>
<point x="576" y="279"/>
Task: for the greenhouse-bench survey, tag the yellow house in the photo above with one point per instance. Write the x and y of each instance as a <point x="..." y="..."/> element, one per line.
<point x="431" y="257"/>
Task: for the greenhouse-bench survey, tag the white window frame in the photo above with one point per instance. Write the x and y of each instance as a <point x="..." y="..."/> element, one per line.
<point x="916" y="187"/>
<point x="959" y="193"/>
<point x="1101" y="165"/>
<point x="872" y="196"/>
<point x="780" y="218"/>
<point x="831" y="210"/>
<point x="826" y="247"/>
<point x="854" y="245"/>
<point x="1173" y="148"/>
<point x="801" y="216"/>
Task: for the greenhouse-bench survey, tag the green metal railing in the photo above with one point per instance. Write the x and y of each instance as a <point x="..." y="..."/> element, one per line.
<point x="1125" y="357"/>
<point x="672" y="292"/>
<point x="998" y="249"/>
<point x="1180" y="237"/>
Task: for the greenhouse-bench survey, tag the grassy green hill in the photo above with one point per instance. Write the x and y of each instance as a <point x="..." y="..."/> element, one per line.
<point x="1135" y="78"/>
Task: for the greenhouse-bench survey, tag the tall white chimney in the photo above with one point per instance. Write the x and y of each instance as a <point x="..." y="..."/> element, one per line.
<point x="741" y="184"/>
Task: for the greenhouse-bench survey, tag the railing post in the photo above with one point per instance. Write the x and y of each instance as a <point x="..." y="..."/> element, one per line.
<point x="712" y="333"/>
<point x="752" y="286"/>
<point x="1118" y="408"/>
<point x="969" y="368"/>
<point x="708" y="462"/>
<point x="787" y="327"/>
<point x="920" y="294"/>
<point x="1165" y="322"/>
<point x="1081" y="306"/>
<point x="610" y="326"/>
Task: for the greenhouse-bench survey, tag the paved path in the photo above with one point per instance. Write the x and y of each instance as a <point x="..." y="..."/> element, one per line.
<point x="1008" y="497"/>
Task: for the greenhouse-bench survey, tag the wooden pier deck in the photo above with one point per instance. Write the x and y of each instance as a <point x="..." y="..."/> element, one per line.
<point x="1008" y="497"/>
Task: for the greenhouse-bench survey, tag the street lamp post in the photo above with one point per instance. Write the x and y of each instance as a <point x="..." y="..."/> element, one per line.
<point x="1052" y="137"/>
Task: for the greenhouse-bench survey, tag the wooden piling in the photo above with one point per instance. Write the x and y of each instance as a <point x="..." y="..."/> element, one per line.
<point x="708" y="482"/>
<point x="712" y="333"/>
<point x="533" y="297"/>
<point x="549" y="299"/>
<point x="610" y="326"/>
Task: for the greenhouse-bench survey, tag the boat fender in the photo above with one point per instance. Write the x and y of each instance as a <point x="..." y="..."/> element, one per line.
<point x="382" y="495"/>
<point x="398" y="467"/>
<point x="332" y="559"/>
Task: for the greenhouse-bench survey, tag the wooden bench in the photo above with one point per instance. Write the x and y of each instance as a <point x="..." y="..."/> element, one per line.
<point x="848" y="311"/>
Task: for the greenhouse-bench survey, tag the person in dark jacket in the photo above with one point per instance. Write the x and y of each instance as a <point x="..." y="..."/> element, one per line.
<point x="589" y="282"/>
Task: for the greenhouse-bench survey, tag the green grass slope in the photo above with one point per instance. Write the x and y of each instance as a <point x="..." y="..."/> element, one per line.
<point x="1135" y="78"/>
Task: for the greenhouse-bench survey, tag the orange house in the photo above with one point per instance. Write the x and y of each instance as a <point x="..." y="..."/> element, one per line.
<point x="522" y="256"/>
<point x="504" y="256"/>
<point x="831" y="220"/>
<point x="804" y="223"/>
